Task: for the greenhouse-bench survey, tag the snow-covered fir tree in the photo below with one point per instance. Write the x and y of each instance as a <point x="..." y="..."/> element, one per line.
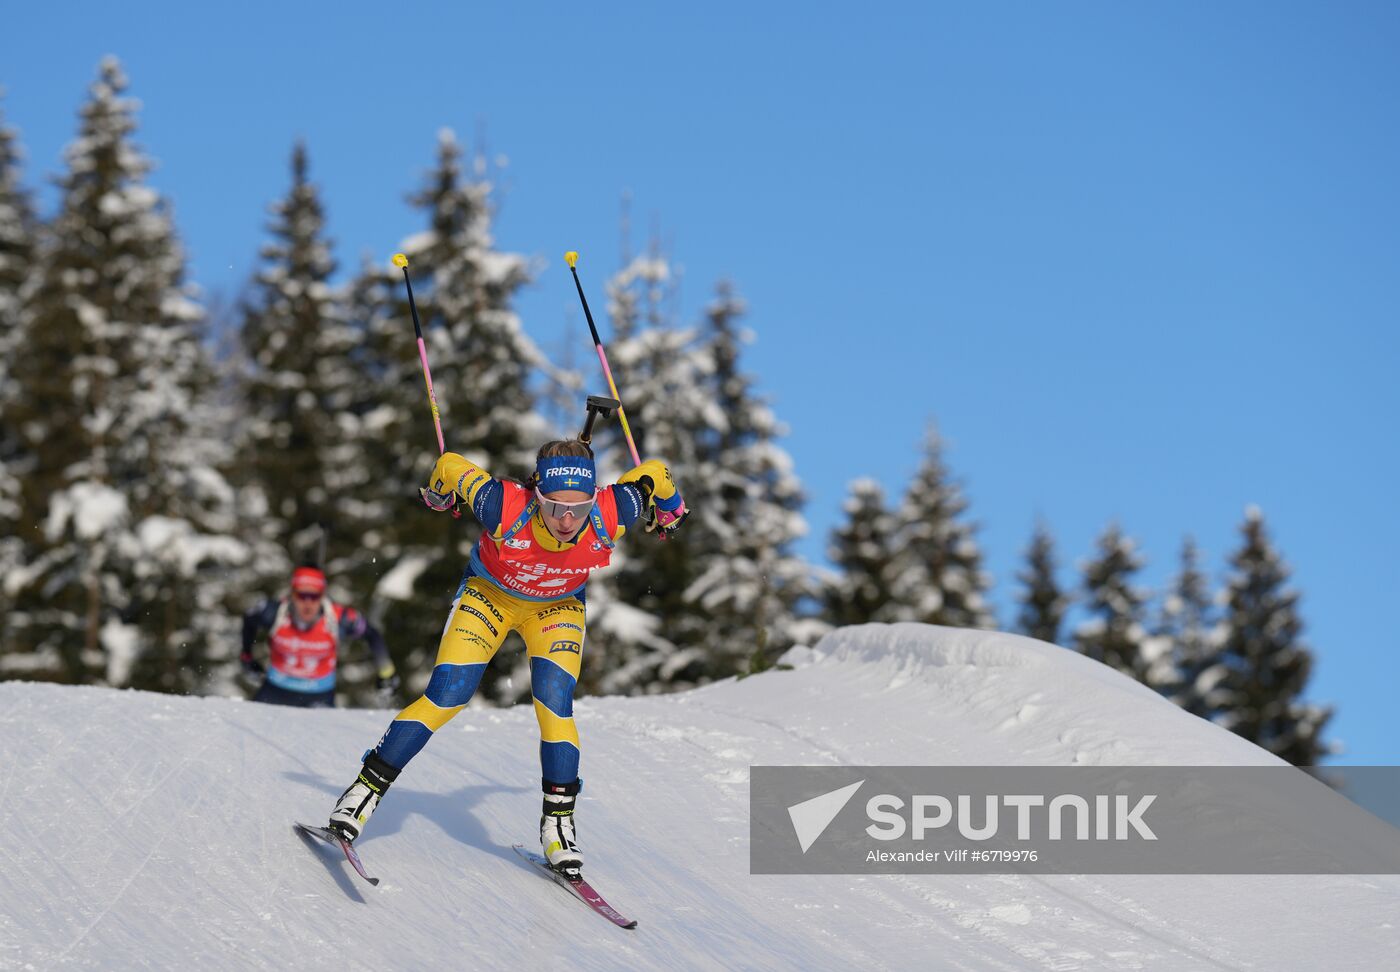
<point x="296" y="387"/>
<point x="1043" y="602"/>
<point x="752" y="585"/>
<point x="1113" y="633"/>
<point x="408" y="559"/>
<point x="133" y="518"/>
<point x="487" y="360"/>
<point x="665" y="380"/>
<point x="937" y="563"/>
<point x="650" y="633"/>
<point x="1267" y="662"/>
<point x="18" y="230"/>
<point x="861" y="549"/>
<point x="1183" y="652"/>
<point x="723" y="596"/>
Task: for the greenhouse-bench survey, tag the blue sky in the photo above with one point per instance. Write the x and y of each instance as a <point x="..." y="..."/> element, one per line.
<point x="1139" y="262"/>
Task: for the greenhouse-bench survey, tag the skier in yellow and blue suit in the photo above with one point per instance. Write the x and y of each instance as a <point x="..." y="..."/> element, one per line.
<point x="540" y="540"/>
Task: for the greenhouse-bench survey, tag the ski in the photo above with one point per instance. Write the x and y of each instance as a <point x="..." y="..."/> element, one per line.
<point x="336" y="840"/>
<point x="579" y="888"/>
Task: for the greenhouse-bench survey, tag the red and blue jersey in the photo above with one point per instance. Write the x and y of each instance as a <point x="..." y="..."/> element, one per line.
<point x="525" y="560"/>
<point x="516" y="551"/>
<point x="302" y="658"/>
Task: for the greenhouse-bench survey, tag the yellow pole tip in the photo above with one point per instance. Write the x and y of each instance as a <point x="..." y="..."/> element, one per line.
<point x="571" y="258"/>
<point x="400" y="260"/>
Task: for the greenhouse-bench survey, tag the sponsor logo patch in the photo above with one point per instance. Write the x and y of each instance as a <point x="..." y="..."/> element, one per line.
<point x="572" y="646"/>
<point x="571" y="607"/>
<point x="484" y="619"/>
<point x="475" y="639"/>
<point x="527" y="580"/>
<point x="477" y="595"/>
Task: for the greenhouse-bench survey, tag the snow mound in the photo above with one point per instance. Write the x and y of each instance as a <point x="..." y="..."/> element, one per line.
<point x="140" y="830"/>
<point x="986" y="698"/>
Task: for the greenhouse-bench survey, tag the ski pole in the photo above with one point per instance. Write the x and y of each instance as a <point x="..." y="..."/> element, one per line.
<point x="401" y="262"/>
<point x="661" y="518"/>
<point x="571" y="258"/>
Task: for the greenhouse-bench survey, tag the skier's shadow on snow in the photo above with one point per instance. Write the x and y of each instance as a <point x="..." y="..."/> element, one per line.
<point x="449" y="812"/>
<point x="320" y="848"/>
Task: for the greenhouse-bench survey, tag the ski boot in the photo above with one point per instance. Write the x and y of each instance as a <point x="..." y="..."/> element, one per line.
<point x="557" y="828"/>
<point x="355" y="805"/>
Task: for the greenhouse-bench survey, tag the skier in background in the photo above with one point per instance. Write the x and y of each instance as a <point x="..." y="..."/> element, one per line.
<point x="527" y="573"/>
<point x="306" y="631"/>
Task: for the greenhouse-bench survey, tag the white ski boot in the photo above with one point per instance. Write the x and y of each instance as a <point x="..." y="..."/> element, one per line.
<point x="360" y="798"/>
<point x="557" y="828"/>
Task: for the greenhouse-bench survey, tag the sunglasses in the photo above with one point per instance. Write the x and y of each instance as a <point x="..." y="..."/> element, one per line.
<point x="560" y="510"/>
<point x="306" y="596"/>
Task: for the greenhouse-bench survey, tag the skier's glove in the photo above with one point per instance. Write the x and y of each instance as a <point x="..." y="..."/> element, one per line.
<point x="667" y="515"/>
<point x="665" y="510"/>
<point x="448" y="475"/>
<point x="252" y="668"/>
<point x="669" y="522"/>
<point x="441" y="502"/>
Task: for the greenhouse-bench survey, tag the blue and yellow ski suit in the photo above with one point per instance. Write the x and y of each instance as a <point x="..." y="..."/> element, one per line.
<point x="520" y="578"/>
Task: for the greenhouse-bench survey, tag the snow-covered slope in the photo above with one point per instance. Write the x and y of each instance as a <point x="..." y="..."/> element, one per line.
<point x="152" y="831"/>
